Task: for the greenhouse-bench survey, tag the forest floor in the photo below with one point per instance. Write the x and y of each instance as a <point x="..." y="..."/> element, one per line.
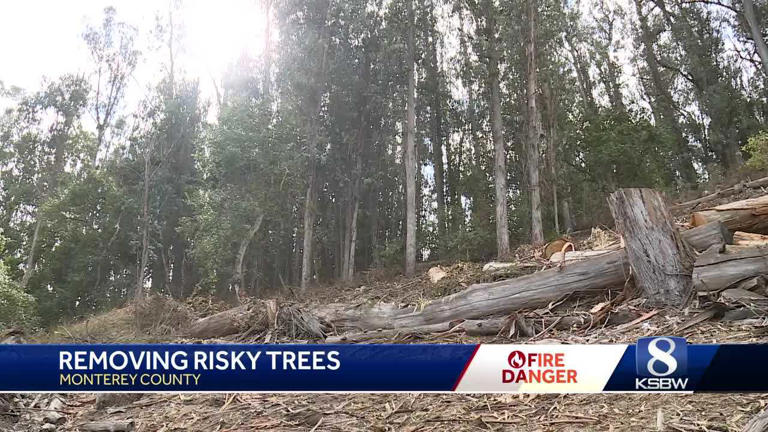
<point x="415" y="412"/>
<point x="626" y="321"/>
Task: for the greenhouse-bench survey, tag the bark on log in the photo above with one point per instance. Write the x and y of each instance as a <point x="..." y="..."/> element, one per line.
<point x="480" y="327"/>
<point x="488" y="299"/>
<point x="705" y="236"/>
<point x="733" y="190"/>
<point x="225" y="323"/>
<point x="661" y="262"/>
<point x="718" y="269"/>
<point x="530" y="291"/>
<point x="748" y="215"/>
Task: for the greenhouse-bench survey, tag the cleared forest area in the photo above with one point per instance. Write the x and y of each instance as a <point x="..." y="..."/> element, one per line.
<point x="380" y="308"/>
<point x="384" y="171"/>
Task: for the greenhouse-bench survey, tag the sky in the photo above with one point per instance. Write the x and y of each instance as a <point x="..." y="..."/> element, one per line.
<point x="43" y="38"/>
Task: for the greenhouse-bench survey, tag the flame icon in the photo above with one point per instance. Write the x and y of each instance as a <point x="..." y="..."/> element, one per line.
<point x="516" y="359"/>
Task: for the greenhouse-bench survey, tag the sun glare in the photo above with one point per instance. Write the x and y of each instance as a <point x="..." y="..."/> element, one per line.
<point x="217" y="33"/>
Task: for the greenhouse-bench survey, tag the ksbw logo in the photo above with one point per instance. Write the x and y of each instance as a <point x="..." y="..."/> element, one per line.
<point x="661" y="363"/>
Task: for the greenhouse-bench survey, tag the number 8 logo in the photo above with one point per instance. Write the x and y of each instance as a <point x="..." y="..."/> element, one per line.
<point x="657" y="355"/>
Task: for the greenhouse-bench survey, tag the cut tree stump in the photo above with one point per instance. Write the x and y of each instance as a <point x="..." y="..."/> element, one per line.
<point x="720" y="268"/>
<point x="748" y="215"/>
<point x="661" y="261"/>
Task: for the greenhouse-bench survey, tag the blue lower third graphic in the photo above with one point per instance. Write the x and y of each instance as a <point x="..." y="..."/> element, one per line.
<point x="233" y="367"/>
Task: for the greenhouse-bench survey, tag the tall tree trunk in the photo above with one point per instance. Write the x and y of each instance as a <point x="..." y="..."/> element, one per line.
<point x="237" y="277"/>
<point x="756" y="31"/>
<point x="549" y="101"/>
<point x="312" y="132"/>
<point x="53" y="184"/>
<point x="500" y="155"/>
<point x="437" y="135"/>
<point x="567" y="218"/>
<point x="350" y="267"/>
<point x="139" y="292"/>
<point x="662" y="103"/>
<point x="410" y="153"/>
<point x="32" y="258"/>
<point x="581" y="66"/>
<point x="267" y="79"/>
<point x="356" y="155"/>
<point x="534" y="131"/>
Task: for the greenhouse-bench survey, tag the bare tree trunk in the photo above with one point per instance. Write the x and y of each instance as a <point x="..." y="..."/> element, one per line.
<point x="534" y="131"/>
<point x="662" y="103"/>
<point x="237" y="277"/>
<point x="267" y="80"/>
<point x="567" y="218"/>
<point x="552" y="149"/>
<point x="756" y="30"/>
<point x="53" y="184"/>
<point x="410" y="154"/>
<point x="312" y="132"/>
<point x="352" y="242"/>
<point x="581" y="66"/>
<point x="32" y="258"/>
<point x="437" y="136"/>
<point x="500" y="156"/>
<point x="139" y="293"/>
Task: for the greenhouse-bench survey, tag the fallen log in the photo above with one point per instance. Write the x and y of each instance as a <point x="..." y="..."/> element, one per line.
<point x="705" y="236"/>
<point x="719" y="268"/>
<point x="737" y="188"/>
<point x="748" y="215"/>
<point x="749" y="239"/>
<point x="480" y="327"/>
<point x="575" y="255"/>
<point x="487" y="299"/>
<point x="661" y="261"/>
<point x="222" y="324"/>
<point x="258" y="316"/>
<point x="530" y="291"/>
<point x="700" y="238"/>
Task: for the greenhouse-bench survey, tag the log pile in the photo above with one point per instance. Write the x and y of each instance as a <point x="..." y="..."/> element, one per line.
<point x="665" y="265"/>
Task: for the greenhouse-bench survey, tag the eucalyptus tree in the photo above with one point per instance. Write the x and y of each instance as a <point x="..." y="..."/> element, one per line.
<point x="113" y="51"/>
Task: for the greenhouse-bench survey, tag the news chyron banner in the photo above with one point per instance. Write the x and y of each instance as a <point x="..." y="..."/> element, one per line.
<point x="657" y="364"/>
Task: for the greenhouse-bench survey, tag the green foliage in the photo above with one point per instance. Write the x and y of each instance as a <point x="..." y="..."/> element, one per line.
<point x="17" y="308"/>
<point x="757" y="148"/>
<point x="622" y="150"/>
